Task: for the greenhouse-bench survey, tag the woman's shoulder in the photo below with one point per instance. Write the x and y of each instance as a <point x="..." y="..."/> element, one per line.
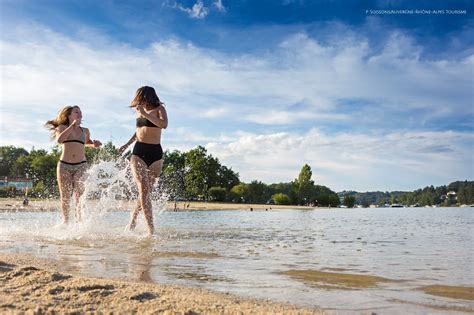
<point x="60" y="127"/>
<point x="155" y="110"/>
<point x="161" y="108"/>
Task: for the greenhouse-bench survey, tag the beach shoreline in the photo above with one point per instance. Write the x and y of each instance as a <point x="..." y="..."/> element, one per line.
<point x="16" y="204"/>
<point x="39" y="285"/>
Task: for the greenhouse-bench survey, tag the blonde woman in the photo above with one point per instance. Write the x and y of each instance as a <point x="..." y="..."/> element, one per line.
<point x="66" y="129"/>
<point x="147" y="155"/>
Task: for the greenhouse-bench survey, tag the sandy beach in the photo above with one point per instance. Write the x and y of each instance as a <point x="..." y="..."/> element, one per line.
<point x="15" y="204"/>
<point x="37" y="286"/>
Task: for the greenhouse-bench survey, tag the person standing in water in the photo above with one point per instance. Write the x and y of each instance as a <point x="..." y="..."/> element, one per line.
<point x="66" y="129"/>
<point x="147" y="155"/>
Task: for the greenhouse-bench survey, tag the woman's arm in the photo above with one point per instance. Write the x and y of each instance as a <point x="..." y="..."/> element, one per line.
<point x="62" y="132"/>
<point x="89" y="142"/>
<point x="125" y="146"/>
<point x="161" y="121"/>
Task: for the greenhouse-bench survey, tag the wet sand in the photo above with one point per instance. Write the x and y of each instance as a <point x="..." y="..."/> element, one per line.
<point x="349" y="281"/>
<point x="454" y="292"/>
<point x="335" y="280"/>
<point x="28" y="284"/>
<point x="11" y="204"/>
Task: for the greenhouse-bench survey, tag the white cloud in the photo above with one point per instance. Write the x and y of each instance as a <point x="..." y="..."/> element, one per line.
<point x="289" y="87"/>
<point x="197" y="11"/>
<point x="219" y="6"/>
<point x="407" y="160"/>
<point x="272" y="117"/>
<point x="214" y="112"/>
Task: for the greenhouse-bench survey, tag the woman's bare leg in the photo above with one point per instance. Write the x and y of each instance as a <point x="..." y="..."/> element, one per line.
<point x="65" y="190"/>
<point x="79" y="187"/>
<point x="140" y="174"/>
<point x="155" y="171"/>
<point x="134" y="215"/>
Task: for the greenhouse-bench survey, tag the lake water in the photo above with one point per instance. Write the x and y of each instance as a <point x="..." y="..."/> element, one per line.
<point x="251" y="253"/>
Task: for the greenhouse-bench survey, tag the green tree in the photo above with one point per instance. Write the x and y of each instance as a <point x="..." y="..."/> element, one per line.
<point x="281" y="199"/>
<point x="305" y="185"/>
<point x="349" y="201"/>
<point x="107" y="152"/>
<point x="217" y="194"/>
<point x="197" y="168"/>
<point x="203" y="171"/>
<point x="323" y="196"/>
<point x="240" y="192"/>
<point x="465" y="192"/>
<point x="227" y="177"/>
<point x="43" y="170"/>
<point x="22" y="166"/>
<point x="173" y="173"/>
<point x="258" y="192"/>
<point x="8" y="156"/>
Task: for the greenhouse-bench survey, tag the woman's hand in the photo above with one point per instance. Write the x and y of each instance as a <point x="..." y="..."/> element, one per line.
<point x="123" y="148"/>
<point x="141" y="110"/>
<point x="96" y="143"/>
<point x="76" y="123"/>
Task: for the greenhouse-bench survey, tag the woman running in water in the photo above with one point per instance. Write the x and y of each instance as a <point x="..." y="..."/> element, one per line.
<point x="147" y="156"/>
<point x="72" y="164"/>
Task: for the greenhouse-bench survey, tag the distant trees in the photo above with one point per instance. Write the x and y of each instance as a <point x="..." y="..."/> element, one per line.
<point x="281" y="199"/>
<point x="427" y="196"/>
<point x="197" y="175"/>
<point x="191" y="175"/>
<point x="8" y="156"/>
<point x="349" y="201"/>
<point x="217" y="194"/>
<point x="465" y="193"/>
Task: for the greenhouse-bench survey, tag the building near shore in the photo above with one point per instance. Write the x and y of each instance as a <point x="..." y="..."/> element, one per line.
<point x="18" y="183"/>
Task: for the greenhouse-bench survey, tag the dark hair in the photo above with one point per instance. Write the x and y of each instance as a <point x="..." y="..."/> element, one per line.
<point x="146" y="96"/>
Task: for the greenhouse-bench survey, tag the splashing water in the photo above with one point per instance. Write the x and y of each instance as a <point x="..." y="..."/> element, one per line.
<point x="109" y="187"/>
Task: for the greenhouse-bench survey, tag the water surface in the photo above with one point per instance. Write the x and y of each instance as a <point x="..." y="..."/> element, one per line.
<point x="258" y="253"/>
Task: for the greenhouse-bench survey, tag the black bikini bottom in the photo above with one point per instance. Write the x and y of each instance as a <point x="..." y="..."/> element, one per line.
<point x="149" y="153"/>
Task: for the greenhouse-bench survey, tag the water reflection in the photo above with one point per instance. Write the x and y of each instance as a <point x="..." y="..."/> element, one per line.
<point x="141" y="261"/>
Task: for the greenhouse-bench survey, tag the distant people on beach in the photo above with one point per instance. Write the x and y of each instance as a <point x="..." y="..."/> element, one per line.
<point x="147" y="156"/>
<point x="66" y="129"/>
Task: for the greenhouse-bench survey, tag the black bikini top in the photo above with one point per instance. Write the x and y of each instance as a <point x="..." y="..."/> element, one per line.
<point x="143" y="122"/>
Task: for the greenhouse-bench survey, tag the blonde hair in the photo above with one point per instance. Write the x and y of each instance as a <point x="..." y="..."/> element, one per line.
<point x="61" y="119"/>
<point x="146" y="96"/>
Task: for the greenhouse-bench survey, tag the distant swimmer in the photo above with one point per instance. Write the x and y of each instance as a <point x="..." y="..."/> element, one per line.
<point x="147" y="155"/>
<point x="66" y="129"/>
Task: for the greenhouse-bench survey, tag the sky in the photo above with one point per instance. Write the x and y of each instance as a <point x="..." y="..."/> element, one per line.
<point x="373" y="95"/>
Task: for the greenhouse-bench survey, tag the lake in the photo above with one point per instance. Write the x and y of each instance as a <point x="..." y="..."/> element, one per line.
<point x="342" y="260"/>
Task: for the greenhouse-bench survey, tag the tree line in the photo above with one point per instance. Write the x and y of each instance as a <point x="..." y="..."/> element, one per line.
<point x="428" y="196"/>
<point x="191" y="175"/>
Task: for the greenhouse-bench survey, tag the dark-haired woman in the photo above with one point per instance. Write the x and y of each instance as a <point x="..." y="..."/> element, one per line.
<point x="147" y="155"/>
<point x="66" y="129"/>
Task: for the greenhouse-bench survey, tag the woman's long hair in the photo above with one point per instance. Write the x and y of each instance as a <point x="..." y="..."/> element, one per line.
<point x="61" y="119"/>
<point x="146" y="96"/>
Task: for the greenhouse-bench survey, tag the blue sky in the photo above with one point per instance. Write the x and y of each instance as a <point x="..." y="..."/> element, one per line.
<point x="371" y="99"/>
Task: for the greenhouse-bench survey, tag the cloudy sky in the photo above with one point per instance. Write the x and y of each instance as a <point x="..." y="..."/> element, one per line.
<point x="371" y="97"/>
